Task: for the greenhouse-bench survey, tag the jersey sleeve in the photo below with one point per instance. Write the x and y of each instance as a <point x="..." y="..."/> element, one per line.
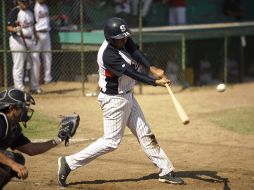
<point x="12" y="17"/>
<point x="114" y="62"/>
<point x="20" y="141"/>
<point x="136" y="54"/>
<point x="131" y="72"/>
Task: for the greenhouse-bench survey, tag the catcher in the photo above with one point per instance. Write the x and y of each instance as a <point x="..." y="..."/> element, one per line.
<point x="15" y="110"/>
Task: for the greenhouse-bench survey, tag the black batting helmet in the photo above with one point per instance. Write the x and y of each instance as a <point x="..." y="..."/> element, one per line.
<point x="20" y="99"/>
<point x="116" y="28"/>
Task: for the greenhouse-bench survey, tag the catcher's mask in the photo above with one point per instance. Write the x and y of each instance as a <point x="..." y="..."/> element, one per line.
<point x="116" y="28"/>
<point x="20" y="99"/>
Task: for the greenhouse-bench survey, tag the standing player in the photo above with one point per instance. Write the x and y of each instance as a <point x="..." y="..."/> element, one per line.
<point x="15" y="109"/>
<point x="42" y="27"/>
<point x="20" y="24"/>
<point x="119" y="60"/>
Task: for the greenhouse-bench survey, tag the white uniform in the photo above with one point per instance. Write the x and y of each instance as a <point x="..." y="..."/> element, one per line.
<point x="24" y="19"/>
<point x="120" y="109"/>
<point x="42" y="27"/>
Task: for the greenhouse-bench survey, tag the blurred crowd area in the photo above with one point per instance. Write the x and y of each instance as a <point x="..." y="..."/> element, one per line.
<point x="205" y="57"/>
<point x="66" y="14"/>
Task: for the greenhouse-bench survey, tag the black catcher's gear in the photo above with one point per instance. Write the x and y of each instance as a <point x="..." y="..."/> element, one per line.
<point x="20" y="99"/>
<point x="116" y="28"/>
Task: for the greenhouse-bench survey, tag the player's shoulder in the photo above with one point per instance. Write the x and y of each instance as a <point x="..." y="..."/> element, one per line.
<point x="14" y="11"/>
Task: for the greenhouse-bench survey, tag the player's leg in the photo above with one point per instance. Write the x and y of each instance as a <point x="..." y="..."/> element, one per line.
<point x="149" y="144"/>
<point x="116" y="110"/>
<point x="34" y="59"/>
<point x="6" y="173"/>
<point x="47" y="57"/>
<point x="18" y="62"/>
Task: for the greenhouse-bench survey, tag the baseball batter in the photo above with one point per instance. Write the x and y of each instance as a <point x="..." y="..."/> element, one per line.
<point x="120" y="64"/>
<point x="42" y="27"/>
<point x="20" y="23"/>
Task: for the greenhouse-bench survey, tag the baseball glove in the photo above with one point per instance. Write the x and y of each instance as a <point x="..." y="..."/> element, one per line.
<point x="68" y="126"/>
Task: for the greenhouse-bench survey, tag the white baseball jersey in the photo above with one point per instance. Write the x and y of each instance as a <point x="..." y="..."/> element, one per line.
<point x="118" y="72"/>
<point x="41" y="14"/>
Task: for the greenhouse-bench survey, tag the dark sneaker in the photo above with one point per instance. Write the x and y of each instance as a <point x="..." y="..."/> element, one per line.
<point x="171" y="178"/>
<point x="63" y="171"/>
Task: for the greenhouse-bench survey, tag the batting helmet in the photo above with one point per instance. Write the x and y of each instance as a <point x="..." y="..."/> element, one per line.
<point x="116" y="28"/>
<point x="20" y="99"/>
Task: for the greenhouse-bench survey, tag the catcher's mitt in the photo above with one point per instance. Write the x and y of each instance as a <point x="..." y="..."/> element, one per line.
<point x="69" y="125"/>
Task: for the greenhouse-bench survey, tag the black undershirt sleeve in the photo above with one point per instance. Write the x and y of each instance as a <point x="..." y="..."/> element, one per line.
<point x="136" y="54"/>
<point x="20" y="141"/>
<point x="131" y="72"/>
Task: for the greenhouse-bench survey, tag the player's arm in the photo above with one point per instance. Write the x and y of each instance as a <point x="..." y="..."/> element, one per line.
<point x="11" y="21"/>
<point x="19" y="168"/>
<point x="120" y="67"/>
<point x="139" y="56"/>
<point x="131" y="72"/>
<point x="23" y="144"/>
<point x="33" y="149"/>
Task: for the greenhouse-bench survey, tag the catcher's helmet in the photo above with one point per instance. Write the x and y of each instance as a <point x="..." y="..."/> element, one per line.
<point x="20" y="99"/>
<point x="116" y="28"/>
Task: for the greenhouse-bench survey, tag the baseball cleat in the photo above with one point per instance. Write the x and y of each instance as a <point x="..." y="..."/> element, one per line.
<point x="63" y="171"/>
<point x="171" y="178"/>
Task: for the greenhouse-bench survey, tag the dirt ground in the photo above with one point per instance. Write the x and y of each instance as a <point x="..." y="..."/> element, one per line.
<point x="206" y="156"/>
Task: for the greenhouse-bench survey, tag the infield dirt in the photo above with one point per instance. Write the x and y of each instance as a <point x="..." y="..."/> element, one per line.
<point x="206" y="156"/>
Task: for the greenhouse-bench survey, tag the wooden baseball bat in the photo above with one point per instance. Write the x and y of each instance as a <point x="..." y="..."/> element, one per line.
<point x="181" y="113"/>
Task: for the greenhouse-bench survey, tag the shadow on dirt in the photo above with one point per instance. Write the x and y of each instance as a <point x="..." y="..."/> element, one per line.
<point x="207" y="176"/>
<point x="62" y="91"/>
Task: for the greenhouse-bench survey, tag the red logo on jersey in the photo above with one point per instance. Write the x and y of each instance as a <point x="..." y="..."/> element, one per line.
<point x="108" y="73"/>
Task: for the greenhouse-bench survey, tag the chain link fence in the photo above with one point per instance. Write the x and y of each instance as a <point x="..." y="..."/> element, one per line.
<point x="76" y="34"/>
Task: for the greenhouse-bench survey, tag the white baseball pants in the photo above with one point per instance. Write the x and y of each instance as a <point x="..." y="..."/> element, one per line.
<point x="19" y="58"/>
<point x="44" y="44"/>
<point x="120" y="111"/>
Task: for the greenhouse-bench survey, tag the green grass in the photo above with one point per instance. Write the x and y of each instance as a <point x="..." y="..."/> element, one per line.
<point x="41" y="126"/>
<point x="240" y="120"/>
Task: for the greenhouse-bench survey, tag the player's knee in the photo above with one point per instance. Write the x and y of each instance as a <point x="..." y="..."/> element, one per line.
<point x="6" y="171"/>
<point x="6" y="174"/>
<point x="111" y="144"/>
<point x="149" y="141"/>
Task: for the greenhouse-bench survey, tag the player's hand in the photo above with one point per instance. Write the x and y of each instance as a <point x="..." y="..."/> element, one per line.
<point x="157" y="73"/>
<point x="17" y="29"/>
<point x="21" y="170"/>
<point x="163" y="82"/>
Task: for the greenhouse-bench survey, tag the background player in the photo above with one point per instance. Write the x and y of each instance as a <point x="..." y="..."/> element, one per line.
<point x="42" y="27"/>
<point x="20" y="23"/>
<point x="15" y="108"/>
<point x="120" y="63"/>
